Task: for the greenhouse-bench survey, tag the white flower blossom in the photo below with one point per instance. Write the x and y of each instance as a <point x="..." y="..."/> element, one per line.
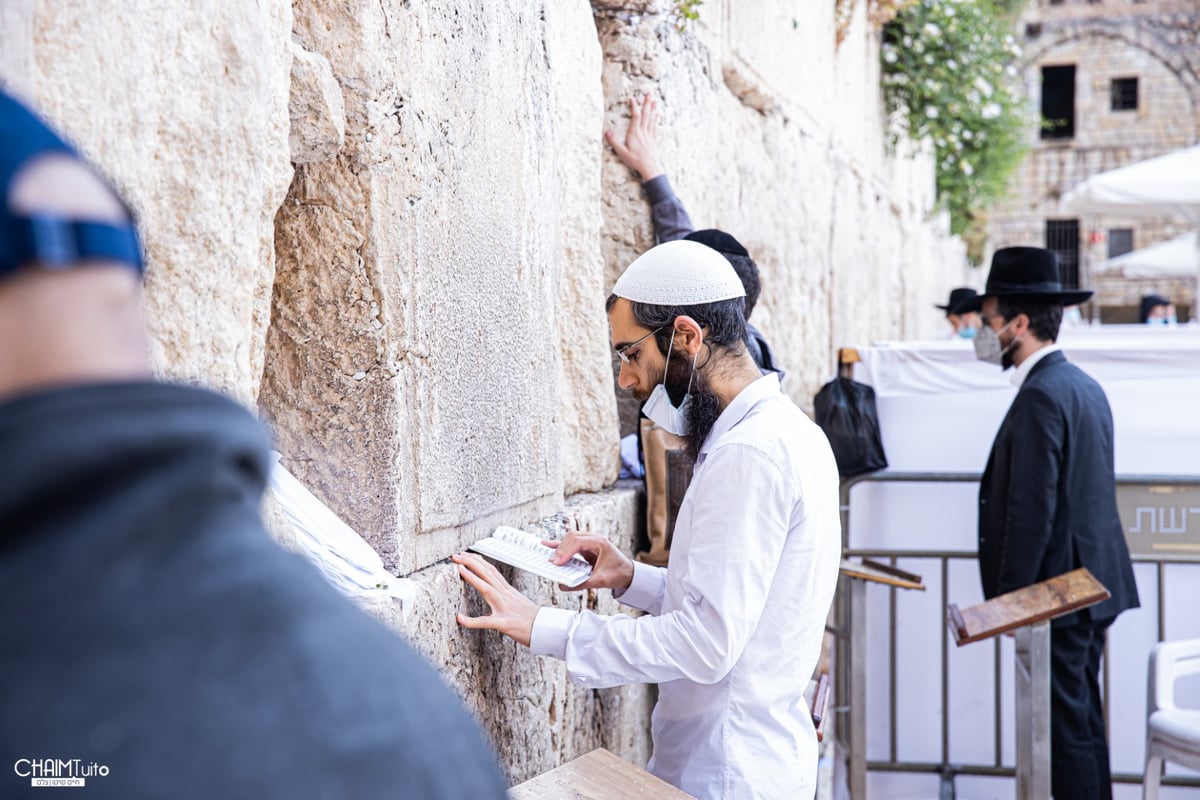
<point x="991" y="111"/>
<point x="931" y="112"/>
<point x="966" y="168"/>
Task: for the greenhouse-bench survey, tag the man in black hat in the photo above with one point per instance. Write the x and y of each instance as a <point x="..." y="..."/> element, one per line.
<point x="1047" y="500"/>
<point x="157" y="643"/>
<point x="639" y="152"/>
<point x="964" y="323"/>
<point x="1156" y="310"/>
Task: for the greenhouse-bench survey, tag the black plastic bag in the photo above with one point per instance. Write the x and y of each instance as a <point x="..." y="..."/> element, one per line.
<point x="845" y="410"/>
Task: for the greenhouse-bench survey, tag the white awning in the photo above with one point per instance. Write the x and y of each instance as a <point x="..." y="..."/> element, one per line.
<point x="1163" y="186"/>
<point x="1174" y="258"/>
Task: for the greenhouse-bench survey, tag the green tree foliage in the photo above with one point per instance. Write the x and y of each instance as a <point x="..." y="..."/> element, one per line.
<point x="686" y="11"/>
<point x="950" y="74"/>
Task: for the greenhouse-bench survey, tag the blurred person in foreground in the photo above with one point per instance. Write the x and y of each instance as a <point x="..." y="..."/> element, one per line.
<point x="157" y="642"/>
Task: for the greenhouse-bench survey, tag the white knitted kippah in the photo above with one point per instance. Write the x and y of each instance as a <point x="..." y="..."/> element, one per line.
<point x="679" y="273"/>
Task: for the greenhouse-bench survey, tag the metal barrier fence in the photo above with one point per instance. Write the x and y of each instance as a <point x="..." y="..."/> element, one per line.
<point x="1155" y="512"/>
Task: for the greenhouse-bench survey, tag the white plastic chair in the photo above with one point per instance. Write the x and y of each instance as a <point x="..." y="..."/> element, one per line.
<point x="1172" y="733"/>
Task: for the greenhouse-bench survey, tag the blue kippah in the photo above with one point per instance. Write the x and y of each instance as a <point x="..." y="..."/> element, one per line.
<point x="49" y="239"/>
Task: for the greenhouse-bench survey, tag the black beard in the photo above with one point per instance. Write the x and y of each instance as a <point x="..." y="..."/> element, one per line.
<point x="1006" y="357"/>
<point x="677" y="376"/>
<point x="702" y="413"/>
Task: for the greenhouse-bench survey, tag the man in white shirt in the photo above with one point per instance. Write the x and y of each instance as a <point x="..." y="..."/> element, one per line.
<point x="736" y="618"/>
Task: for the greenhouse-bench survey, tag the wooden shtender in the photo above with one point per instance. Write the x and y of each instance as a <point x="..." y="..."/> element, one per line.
<point x="1059" y="595"/>
<point x="599" y="775"/>
<point x="882" y="573"/>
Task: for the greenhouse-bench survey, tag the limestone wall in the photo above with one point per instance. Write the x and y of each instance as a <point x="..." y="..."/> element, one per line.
<point x="390" y="226"/>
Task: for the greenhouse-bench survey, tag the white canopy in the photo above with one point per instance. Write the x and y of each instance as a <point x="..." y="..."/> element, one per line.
<point x="1167" y="185"/>
<point x="1174" y="258"/>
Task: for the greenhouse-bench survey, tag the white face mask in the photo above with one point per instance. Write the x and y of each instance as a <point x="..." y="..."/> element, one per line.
<point x="660" y="410"/>
<point x="988" y="347"/>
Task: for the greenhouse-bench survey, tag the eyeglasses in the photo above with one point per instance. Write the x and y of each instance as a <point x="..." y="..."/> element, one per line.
<point x="623" y="351"/>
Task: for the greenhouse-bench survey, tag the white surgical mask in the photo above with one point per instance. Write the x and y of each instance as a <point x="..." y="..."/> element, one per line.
<point x="988" y="347"/>
<point x="660" y="410"/>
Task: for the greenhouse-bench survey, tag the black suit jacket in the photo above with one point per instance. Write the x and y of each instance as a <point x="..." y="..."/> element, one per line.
<point x="1047" y="500"/>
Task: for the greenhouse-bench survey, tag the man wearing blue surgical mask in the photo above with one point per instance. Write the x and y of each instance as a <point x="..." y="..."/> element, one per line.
<point x="736" y="617"/>
<point x="964" y="323"/>
<point x="1047" y="500"/>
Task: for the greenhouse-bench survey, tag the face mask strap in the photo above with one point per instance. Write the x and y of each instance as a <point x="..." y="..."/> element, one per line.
<point x="667" y="365"/>
<point x="693" y="373"/>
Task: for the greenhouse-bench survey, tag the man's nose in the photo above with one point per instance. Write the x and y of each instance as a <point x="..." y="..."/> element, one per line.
<point x="625" y="377"/>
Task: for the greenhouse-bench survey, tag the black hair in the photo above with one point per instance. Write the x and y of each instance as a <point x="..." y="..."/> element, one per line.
<point x="747" y="271"/>
<point x="724" y="320"/>
<point x="1045" y="317"/>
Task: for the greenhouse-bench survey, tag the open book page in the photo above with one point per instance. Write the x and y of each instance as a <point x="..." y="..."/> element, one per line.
<point x="526" y="551"/>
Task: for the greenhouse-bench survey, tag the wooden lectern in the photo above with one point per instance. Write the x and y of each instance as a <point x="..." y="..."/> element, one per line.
<point x="860" y="575"/>
<point x="599" y="775"/>
<point x="1028" y="612"/>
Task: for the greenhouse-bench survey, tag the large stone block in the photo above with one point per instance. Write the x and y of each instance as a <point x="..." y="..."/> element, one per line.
<point x="438" y="365"/>
<point x="191" y="124"/>
<point x="318" y="113"/>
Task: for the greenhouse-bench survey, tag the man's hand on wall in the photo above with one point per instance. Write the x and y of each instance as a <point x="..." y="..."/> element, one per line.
<point x="639" y="152"/>
<point x="512" y="612"/>
<point x="611" y="569"/>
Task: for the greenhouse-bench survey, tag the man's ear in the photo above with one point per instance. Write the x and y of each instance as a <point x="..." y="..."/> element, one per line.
<point x="688" y="335"/>
<point x="1020" y="324"/>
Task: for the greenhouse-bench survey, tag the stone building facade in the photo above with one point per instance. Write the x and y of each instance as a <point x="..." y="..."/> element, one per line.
<point x="391" y="226"/>
<point x="1127" y="75"/>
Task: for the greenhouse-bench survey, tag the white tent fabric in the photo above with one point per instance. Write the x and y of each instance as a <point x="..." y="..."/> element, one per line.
<point x="1163" y="186"/>
<point x="1174" y="258"/>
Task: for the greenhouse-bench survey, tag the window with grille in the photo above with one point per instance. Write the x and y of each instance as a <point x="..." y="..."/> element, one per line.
<point x="1058" y="102"/>
<point x="1120" y="241"/>
<point x="1062" y="236"/>
<point x="1124" y="94"/>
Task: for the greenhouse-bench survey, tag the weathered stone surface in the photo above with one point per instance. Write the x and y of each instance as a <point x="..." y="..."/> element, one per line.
<point x="16" y="56"/>
<point x="536" y="718"/>
<point x="588" y="411"/>
<point x="191" y="124"/>
<point x="317" y="112"/>
<point x="437" y="360"/>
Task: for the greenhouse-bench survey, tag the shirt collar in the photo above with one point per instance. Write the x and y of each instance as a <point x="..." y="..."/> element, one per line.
<point x="765" y="387"/>
<point x="1020" y="373"/>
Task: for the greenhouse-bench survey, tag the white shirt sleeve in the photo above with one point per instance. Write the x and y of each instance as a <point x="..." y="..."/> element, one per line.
<point x="647" y="589"/>
<point x="740" y="510"/>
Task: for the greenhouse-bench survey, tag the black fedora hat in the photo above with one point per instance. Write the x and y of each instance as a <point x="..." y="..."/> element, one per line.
<point x="958" y="297"/>
<point x="1029" y="273"/>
